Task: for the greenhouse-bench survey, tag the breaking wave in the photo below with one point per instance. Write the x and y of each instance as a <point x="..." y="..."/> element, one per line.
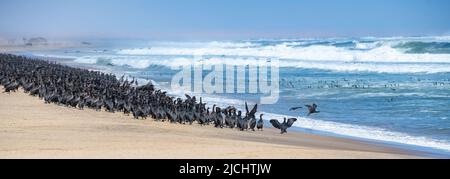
<point x="359" y="51"/>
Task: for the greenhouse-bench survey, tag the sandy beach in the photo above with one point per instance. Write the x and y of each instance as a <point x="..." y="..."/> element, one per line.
<point x="31" y="129"/>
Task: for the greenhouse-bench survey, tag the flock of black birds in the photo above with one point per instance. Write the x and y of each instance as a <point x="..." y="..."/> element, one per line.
<point x="81" y="88"/>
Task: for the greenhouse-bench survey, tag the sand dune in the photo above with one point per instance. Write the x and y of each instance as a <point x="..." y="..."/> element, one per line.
<point x="31" y="129"/>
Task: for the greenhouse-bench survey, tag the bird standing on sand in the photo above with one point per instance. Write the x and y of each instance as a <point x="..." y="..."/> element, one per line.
<point x="252" y="124"/>
<point x="249" y="117"/>
<point x="283" y="126"/>
<point x="260" y="123"/>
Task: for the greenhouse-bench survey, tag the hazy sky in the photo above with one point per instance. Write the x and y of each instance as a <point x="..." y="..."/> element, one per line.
<point x="222" y="19"/>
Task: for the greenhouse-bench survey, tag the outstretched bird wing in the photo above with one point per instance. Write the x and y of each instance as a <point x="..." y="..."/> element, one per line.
<point x="308" y="106"/>
<point x="246" y="107"/>
<point x="295" y="108"/>
<point x="254" y="109"/>
<point x="291" y="121"/>
<point x="275" y="123"/>
<point x="187" y="96"/>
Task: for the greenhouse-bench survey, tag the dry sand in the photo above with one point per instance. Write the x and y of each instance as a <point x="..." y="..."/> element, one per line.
<point x="31" y="129"/>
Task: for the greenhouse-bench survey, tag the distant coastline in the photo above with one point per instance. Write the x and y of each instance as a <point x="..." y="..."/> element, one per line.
<point x="15" y="48"/>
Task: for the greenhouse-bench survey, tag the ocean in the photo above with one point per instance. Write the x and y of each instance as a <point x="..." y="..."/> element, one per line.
<point x="393" y="89"/>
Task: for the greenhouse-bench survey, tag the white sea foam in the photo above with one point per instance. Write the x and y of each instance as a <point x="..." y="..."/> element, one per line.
<point x="367" y="46"/>
<point x="141" y="62"/>
<point x="371" y="55"/>
<point x="377" y="53"/>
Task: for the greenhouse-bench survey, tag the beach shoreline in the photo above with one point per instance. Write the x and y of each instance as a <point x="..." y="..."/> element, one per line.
<point x="31" y="129"/>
